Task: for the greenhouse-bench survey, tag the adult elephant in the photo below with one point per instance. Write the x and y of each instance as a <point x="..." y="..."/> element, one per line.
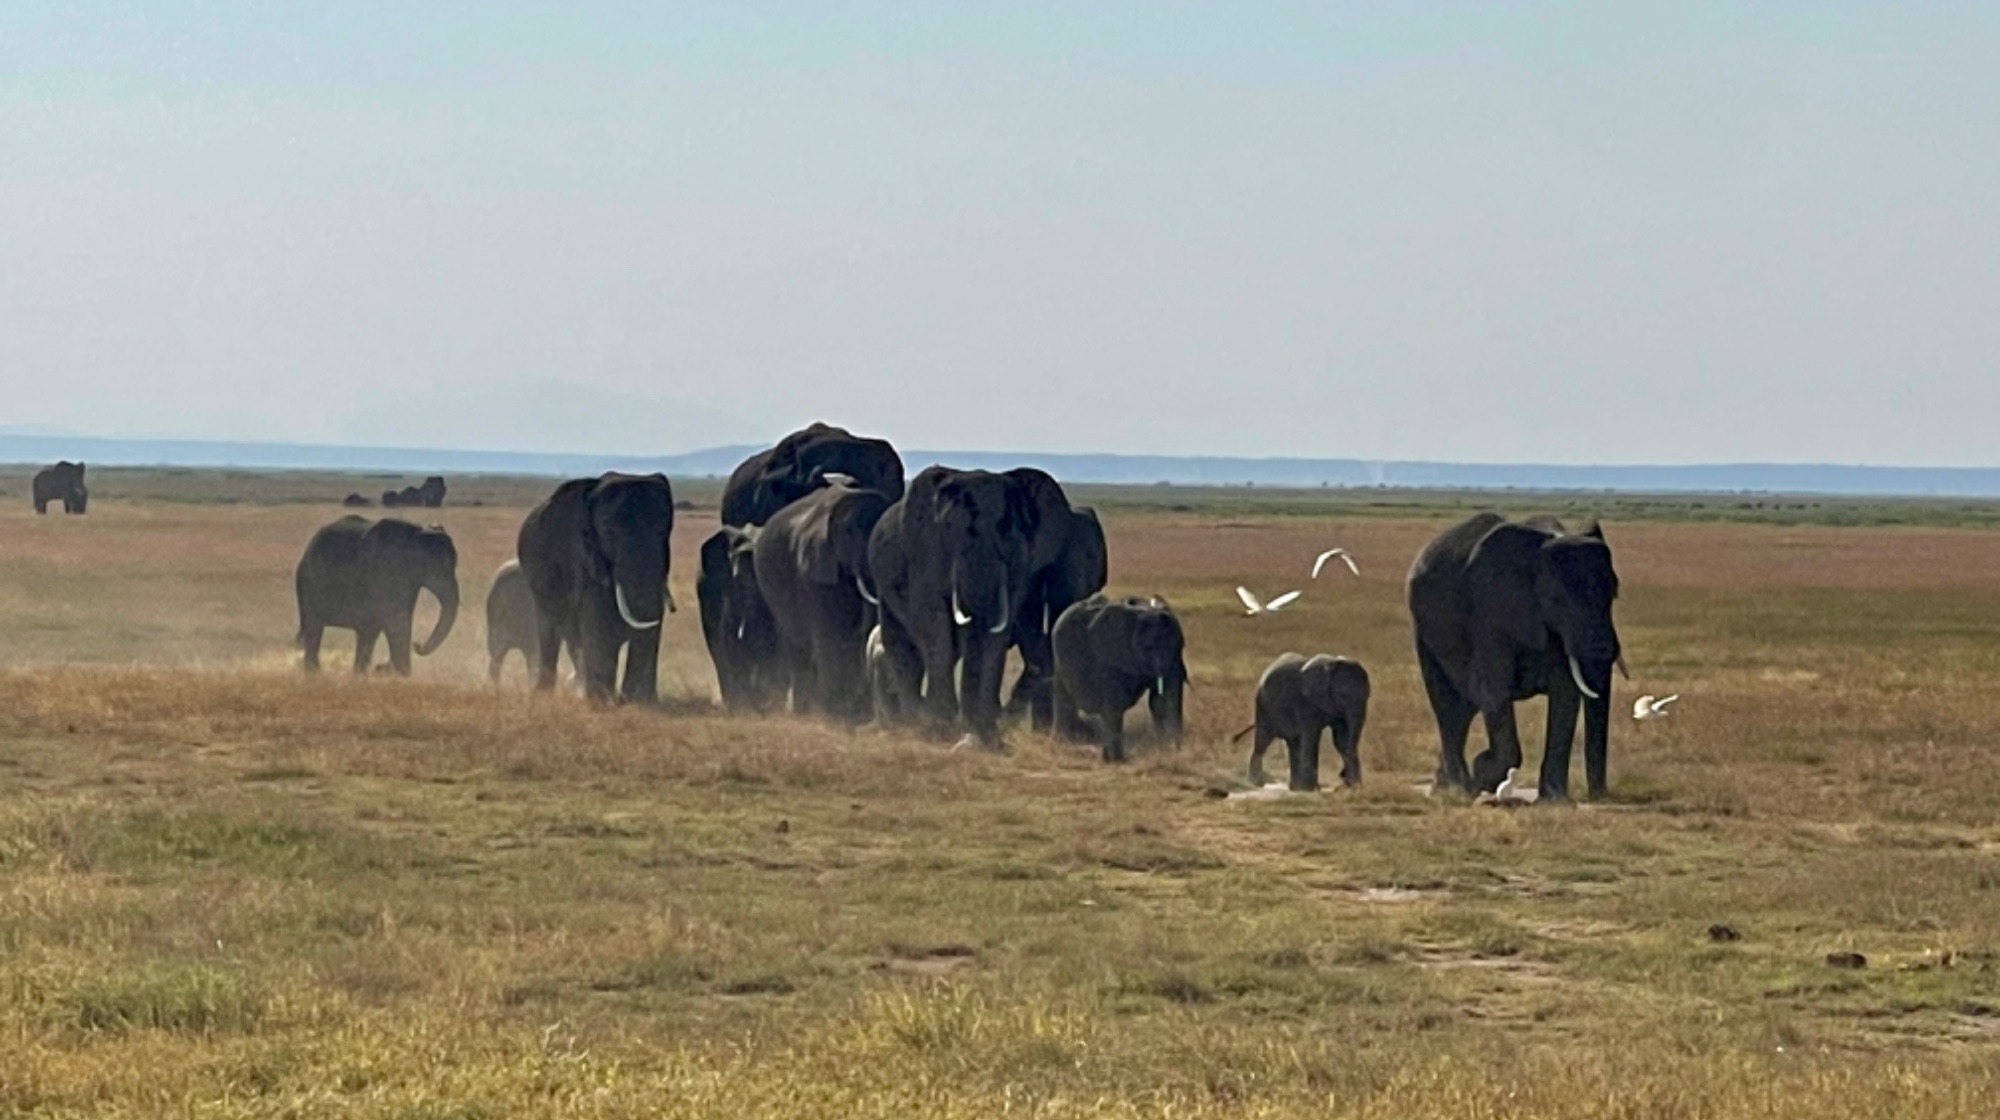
<point x="812" y="567"/>
<point x="364" y="576"/>
<point x="595" y="554"/>
<point x="512" y="622"/>
<point x="951" y="561"/>
<point x="1108" y="654"/>
<point x="770" y="480"/>
<point x="63" y="483"/>
<point x="1504" y="611"/>
<point x="1067" y="563"/>
<point x="431" y="493"/>
<point x="742" y="638"/>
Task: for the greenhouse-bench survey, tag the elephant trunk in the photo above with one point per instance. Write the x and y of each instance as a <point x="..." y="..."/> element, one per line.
<point x="446" y="590"/>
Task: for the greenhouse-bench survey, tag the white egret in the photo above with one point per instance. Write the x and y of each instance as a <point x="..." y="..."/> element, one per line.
<point x="1251" y="606"/>
<point x="1645" y="707"/>
<point x="1330" y="554"/>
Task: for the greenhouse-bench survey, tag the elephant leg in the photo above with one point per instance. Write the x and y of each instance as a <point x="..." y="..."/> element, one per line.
<point x="1068" y="722"/>
<point x="1305" y="760"/>
<point x="1031" y="691"/>
<point x="940" y="686"/>
<point x="1554" y="781"/>
<point x="979" y="692"/>
<point x="547" y="652"/>
<point x="364" y="648"/>
<point x="1260" y="744"/>
<point x="1111" y="728"/>
<point x="1596" y="746"/>
<point x="398" y="637"/>
<point x="1347" y="741"/>
<point x="902" y="671"/>
<point x="642" y="668"/>
<point x="600" y="655"/>
<point x="1503" y="749"/>
<point x="310" y="634"/>
<point x="1454" y="719"/>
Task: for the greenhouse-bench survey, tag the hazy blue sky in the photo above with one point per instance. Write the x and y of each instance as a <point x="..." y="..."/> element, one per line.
<point x="1563" y="232"/>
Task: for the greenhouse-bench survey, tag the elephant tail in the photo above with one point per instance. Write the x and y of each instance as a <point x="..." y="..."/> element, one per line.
<point x="1238" y="737"/>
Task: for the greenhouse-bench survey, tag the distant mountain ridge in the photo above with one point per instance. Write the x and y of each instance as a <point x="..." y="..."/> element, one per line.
<point x="1782" y="478"/>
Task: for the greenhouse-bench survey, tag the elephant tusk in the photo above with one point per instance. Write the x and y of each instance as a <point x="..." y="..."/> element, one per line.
<point x="625" y="612"/>
<point x="1001" y="626"/>
<point x="1621" y="667"/>
<point x="1160" y="685"/>
<point x="1576" y="674"/>
<point x="862" y="586"/>
<point x="957" y="615"/>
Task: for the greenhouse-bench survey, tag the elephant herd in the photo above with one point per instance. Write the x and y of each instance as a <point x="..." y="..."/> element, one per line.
<point x="838" y="588"/>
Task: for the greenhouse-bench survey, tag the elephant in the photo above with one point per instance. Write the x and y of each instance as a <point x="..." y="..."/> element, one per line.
<point x="1504" y="611"/>
<point x="64" y="482"/>
<point x="1109" y="653"/>
<point x="511" y="621"/>
<point x="431" y="493"/>
<point x="596" y="556"/>
<point x="356" y="501"/>
<point x="364" y="575"/>
<point x="950" y="563"/>
<point x="742" y="638"/>
<point x="770" y="480"/>
<point x="812" y="567"/>
<point x="1298" y="698"/>
<point x="396" y="499"/>
<point x="1068" y="563"/>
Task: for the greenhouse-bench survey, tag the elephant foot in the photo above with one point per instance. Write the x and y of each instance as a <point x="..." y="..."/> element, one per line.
<point x="1259" y="779"/>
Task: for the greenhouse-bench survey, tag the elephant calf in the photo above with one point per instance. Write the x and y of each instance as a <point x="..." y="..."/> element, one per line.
<point x="511" y="622"/>
<point x="1109" y="653"/>
<point x="1298" y="698"/>
<point x="364" y="575"/>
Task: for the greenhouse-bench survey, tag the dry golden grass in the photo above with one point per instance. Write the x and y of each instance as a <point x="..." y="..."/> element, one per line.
<point x="228" y="890"/>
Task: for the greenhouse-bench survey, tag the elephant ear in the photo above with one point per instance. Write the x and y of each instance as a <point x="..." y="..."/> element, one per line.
<point x="590" y="544"/>
<point x="1500" y="578"/>
<point x="1594" y="530"/>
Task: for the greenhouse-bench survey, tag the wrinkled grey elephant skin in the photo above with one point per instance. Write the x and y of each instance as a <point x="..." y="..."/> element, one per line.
<point x="364" y="575"/>
<point x="1301" y="698"/>
<point x="735" y="622"/>
<point x="951" y="564"/>
<point x="1505" y="611"/>
<point x="63" y="483"/>
<point x="812" y="567"/>
<point x="770" y="480"/>
<point x="596" y="557"/>
<point x="1108" y="654"/>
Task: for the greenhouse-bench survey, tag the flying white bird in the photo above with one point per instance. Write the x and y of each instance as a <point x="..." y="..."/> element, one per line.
<point x="1330" y="554"/>
<point x="1252" y="606"/>
<point x="1645" y="707"/>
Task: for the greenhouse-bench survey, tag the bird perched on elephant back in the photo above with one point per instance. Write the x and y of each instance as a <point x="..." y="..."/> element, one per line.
<point x="950" y="563"/>
<point x="812" y="567"/>
<point x="1298" y="699"/>
<point x="596" y="557"/>
<point x="1504" y="611"/>
<point x="1067" y="564"/>
<point x="736" y="623"/>
<point x="770" y="480"/>
<point x="364" y="575"/>
<point x="1109" y="653"/>
<point x="63" y="483"/>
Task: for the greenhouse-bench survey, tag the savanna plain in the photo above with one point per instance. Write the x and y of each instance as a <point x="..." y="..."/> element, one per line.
<point x="227" y="889"/>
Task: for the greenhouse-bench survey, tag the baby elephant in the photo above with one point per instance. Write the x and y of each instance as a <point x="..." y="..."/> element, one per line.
<point x="1297" y="698"/>
<point x="1109" y="653"/>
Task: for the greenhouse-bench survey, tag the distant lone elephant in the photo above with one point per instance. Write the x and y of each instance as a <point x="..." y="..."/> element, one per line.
<point x="770" y="480"/>
<point x="511" y="622"/>
<point x="62" y="482"/>
<point x="596" y="557"/>
<point x="355" y="501"/>
<point x="364" y="576"/>
<point x="1109" y="653"/>
<point x="1299" y="698"/>
<point x="431" y="493"/>
<point x="1504" y="611"/>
